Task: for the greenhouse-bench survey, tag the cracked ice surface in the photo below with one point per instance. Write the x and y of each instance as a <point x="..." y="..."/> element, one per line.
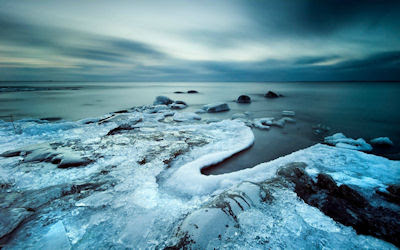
<point x="145" y="179"/>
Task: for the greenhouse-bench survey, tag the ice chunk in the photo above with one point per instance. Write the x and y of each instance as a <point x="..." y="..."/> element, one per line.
<point x="382" y="141"/>
<point x="186" y="116"/>
<point x="288" y="113"/>
<point x="55" y="238"/>
<point x="263" y="123"/>
<point x="341" y="141"/>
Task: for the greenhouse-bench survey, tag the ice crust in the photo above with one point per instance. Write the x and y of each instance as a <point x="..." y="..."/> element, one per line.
<point x="144" y="182"/>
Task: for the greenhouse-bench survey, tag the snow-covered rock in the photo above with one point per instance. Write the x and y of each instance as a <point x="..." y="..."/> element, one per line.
<point x="263" y="123"/>
<point x="382" y="141"/>
<point x="216" y="107"/>
<point x="341" y="141"/>
<point x="185" y="116"/>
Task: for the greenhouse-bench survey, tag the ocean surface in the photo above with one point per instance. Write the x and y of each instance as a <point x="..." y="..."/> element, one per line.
<point x="365" y="110"/>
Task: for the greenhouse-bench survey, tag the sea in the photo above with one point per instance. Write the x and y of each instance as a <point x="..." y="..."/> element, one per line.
<point x="357" y="109"/>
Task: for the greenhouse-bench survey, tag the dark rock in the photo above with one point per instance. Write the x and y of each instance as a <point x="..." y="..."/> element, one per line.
<point x="216" y="107"/>
<point x="121" y="111"/>
<point x="271" y="94"/>
<point x="392" y="194"/>
<point x="11" y="153"/>
<point x="326" y="182"/>
<point x="394" y="189"/>
<point x="244" y="99"/>
<point x="68" y="162"/>
<point x="120" y="129"/>
<point x="162" y="100"/>
<point x="352" y="196"/>
<point x="178" y="92"/>
<point x="51" y="119"/>
<point x="193" y="92"/>
<point x="180" y="102"/>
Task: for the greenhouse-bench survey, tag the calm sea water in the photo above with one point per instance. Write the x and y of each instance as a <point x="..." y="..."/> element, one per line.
<point x="364" y="110"/>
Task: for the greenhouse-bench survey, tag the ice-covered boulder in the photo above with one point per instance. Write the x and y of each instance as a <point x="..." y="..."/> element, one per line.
<point x="216" y="107"/>
<point x="239" y="116"/>
<point x="162" y="100"/>
<point x="244" y="99"/>
<point x="178" y="105"/>
<point x="263" y="123"/>
<point x="185" y="116"/>
<point x="271" y="94"/>
<point x="341" y="141"/>
<point x="382" y="141"/>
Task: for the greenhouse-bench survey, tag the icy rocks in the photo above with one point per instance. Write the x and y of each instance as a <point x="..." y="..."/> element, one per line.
<point x="341" y="141"/>
<point x="263" y="123"/>
<point x="244" y="99"/>
<point x="216" y="107"/>
<point x="185" y="116"/>
<point x="382" y="142"/>
<point x="162" y="100"/>
<point x="63" y="156"/>
<point x="178" y="105"/>
<point x="219" y="216"/>
<point x="343" y="203"/>
<point x="271" y="94"/>
<point x="10" y="219"/>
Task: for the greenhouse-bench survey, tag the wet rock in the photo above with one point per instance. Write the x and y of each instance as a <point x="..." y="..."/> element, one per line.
<point x="121" y="111"/>
<point x="244" y="99"/>
<point x="326" y="182"/>
<point x="392" y="194"/>
<point x="178" y="92"/>
<point x="120" y="129"/>
<point x="271" y="94"/>
<point x="193" y="92"/>
<point x="216" y="107"/>
<point x="73" y="161"/>
<point x="162" y="100"/>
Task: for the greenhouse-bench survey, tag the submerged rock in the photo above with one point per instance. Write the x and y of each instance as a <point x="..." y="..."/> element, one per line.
<point x="162" y="100"/>
<point x="216" y="107"/>
<point x="178" y="92"/>
<point x="193" y="92"/>
<point x="244" y="99"/>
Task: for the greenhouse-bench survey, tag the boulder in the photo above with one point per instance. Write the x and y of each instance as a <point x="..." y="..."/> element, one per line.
<point x="162" y="100"/>
<point x="178" y="92"/>
<point x="244" y="99"/>
<point x="193" y="92"/>
<point x="216" y="107"/>
<point x="271" y="94"/>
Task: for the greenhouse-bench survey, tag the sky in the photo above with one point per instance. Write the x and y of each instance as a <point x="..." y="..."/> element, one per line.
<point x="205" y="40"/>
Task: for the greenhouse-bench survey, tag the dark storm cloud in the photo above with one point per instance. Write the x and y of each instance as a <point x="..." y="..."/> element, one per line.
<point x="315" y="17"/>
<point x="298" y="39"/>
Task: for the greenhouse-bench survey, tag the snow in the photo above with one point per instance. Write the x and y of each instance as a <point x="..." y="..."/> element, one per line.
<point x="146" y="182"/>
<point x="341" y="141"/>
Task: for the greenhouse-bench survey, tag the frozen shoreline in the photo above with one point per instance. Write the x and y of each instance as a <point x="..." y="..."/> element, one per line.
<point x="145" y="177"/>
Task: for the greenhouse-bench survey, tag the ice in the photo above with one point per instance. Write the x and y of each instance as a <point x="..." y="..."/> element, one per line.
<point x="143" y="183"/>
<point x="185" y="116"/>
<point x="341" y="141"/>
<point x="383" y="141"/>
<point x="263" y="123"/>
<point x="216" y="107"/>
<point x="288" y="113"/>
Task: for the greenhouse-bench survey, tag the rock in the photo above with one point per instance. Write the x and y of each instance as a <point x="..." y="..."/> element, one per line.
<point x="121" y="111"/>
<point x="178" y="92"/>
<point x="244" y="99"/>
<point x="185" y="116"/>
<point x="382" y="142"/>
<point x="216" y="107"/>
<point x="193" y="92"/>
<point x="162" y="100"/>
<point x="279" y="123"/>
<point x="73" y="161"/>
<point x="177" y="106"/>
<point x="288" y="113"/>
<point x="271" y="94"/>
<point x="120" y="129"/>
<point x="180" y="102"/>
<point x="326" y="182"/>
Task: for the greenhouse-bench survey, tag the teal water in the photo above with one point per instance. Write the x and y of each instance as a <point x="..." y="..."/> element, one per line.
<point x="366" y="110"/>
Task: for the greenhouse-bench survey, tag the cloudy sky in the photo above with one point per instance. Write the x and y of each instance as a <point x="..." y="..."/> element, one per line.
<point x="248" y="40"/>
